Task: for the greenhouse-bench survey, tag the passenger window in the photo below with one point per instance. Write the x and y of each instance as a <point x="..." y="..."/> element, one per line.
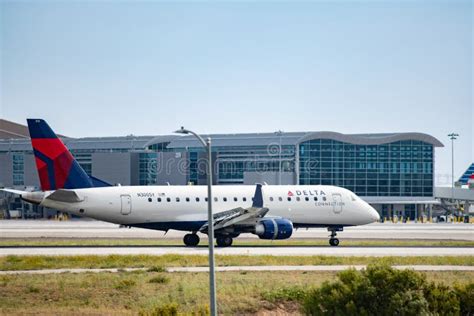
<point x="149" y="199"/>
<point x="197" y="199"/>
<point x="298" y="198"/>
<point x="168" y="199"/>
<point x="306" y="199"/>
<point x="216" y="199"/>
<point x="324" y="198"/>
<point x="315" y="198"/>
<point x="289" y="199"/>
<point x="187" y="199"/>
<point x="235" y="199"/>
<point x="225" y="199"/>
<point x="244" y="199"/>
<point x="205" y="199"/>
<point x="280" y="199"/>
<point x="177" y="199"/>
<point x="271" y="199"/>
<point x="159" y="199"/>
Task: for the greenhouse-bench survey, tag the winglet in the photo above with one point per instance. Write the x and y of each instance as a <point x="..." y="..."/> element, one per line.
<point x="258" y="197"/>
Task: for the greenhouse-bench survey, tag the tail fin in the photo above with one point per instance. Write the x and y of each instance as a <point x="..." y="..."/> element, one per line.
<point x="57" y="168"/>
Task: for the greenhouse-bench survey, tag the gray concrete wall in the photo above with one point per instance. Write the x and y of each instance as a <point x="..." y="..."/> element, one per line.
<point x="268" y="177"/>
<point x="6" y="170"/>
<point x="112" y="167"/>
<point x="31" y="174"/>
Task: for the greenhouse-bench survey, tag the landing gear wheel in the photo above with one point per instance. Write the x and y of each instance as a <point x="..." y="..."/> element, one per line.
<point x="224" y="241"/>
<point x="334" y="242"/>
<point x="191" y="240"/>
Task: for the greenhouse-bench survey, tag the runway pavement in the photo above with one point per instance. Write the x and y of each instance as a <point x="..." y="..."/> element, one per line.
<point x="253" y="251"/>
<point x="96" y="229"/>
<point x="330" y="268"/>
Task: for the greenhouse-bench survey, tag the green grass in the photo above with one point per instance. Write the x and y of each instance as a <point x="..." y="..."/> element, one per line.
<point x="238" y="242"/>
<point x="149" y="261"/>
<point x="129" y="293"/>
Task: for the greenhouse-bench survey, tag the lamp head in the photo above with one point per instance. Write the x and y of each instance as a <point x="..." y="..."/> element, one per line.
<point x="182" y="131"/>
<point x="453" y="135"/>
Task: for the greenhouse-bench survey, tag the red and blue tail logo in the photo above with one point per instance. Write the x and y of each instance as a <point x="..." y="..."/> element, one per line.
<point x="57" y="168"/>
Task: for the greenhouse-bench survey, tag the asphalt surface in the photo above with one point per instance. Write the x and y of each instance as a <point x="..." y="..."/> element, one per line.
<point x="96" y="229"/>
<point x="244" y="268"/>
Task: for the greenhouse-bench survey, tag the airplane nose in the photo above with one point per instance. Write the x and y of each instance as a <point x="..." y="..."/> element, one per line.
<point x="373" y="214"/>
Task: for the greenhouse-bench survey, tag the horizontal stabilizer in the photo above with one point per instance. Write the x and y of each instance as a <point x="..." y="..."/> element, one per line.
<point x="13" y="191"/>
<point x="67" y="196"/>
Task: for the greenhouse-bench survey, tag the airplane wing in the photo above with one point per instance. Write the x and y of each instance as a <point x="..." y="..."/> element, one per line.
<point x="240" y="216"/>
<point x="64" y="195"/>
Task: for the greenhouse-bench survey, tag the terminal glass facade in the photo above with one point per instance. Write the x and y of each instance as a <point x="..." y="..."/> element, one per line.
<point x="147" y="168"/>
<point x="233" y="161"/>
<point x="18" y="168"/>
<point x="403" y="168"/>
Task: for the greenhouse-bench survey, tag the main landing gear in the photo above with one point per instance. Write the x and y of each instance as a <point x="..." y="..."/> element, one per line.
<point x="333" y="241"/>
<point x="224" y="241"/>
<point x="191" y="240"/>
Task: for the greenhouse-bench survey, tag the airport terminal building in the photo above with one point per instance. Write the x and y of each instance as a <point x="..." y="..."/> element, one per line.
<point x="392" y="171"/>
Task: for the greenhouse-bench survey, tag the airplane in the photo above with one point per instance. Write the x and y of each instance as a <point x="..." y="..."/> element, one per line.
<point x="269" y="211"/>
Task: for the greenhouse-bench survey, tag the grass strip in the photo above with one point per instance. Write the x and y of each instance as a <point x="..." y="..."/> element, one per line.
<point x="10" y="263"/>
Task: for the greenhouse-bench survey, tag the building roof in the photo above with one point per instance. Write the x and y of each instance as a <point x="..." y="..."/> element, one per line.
<point x="87" y="143"/>
<point x="265" y="139"/>
<point x="244" y="139"/>
<point x="12" y="130"/>
<point x="9" y="130"/>
<point x="16" y="138"/>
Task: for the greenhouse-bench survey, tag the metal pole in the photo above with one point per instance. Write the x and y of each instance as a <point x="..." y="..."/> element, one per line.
<point x="453" y="137"/>
<point x="210" y="220"/>
<point x="279" y="164"/>
<point x="452" y="168"/>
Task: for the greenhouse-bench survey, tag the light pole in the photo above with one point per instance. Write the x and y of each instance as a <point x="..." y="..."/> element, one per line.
<point x="279" y="133"/>
<point x="210" y="219"/>
<point x="453" y="137"/>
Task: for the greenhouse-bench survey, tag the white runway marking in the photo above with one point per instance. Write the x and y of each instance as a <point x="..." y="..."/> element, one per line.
<point x="244" y="268"/>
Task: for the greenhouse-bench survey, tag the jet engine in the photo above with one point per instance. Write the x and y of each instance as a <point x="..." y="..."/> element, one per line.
<point x="274" y="228"/>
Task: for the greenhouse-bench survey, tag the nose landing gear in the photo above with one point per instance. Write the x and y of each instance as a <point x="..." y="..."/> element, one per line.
<point x="333" y="241"/>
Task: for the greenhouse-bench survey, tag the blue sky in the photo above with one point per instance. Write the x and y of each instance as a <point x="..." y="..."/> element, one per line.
<point x="99" y="68"/>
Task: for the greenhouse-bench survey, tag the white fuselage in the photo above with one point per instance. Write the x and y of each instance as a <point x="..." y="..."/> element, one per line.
<point x="305" y="206"/>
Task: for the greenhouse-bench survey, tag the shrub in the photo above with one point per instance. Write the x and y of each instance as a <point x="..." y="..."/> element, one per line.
<point x="382" y="290"/>
<point x="169" y="309"/>
<point x="294" y="293"/>
<point x="162" y="279"/>
<point x="125" y="284"/>
<point x="156" y="269"/>
<point x="465" y="293"/>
